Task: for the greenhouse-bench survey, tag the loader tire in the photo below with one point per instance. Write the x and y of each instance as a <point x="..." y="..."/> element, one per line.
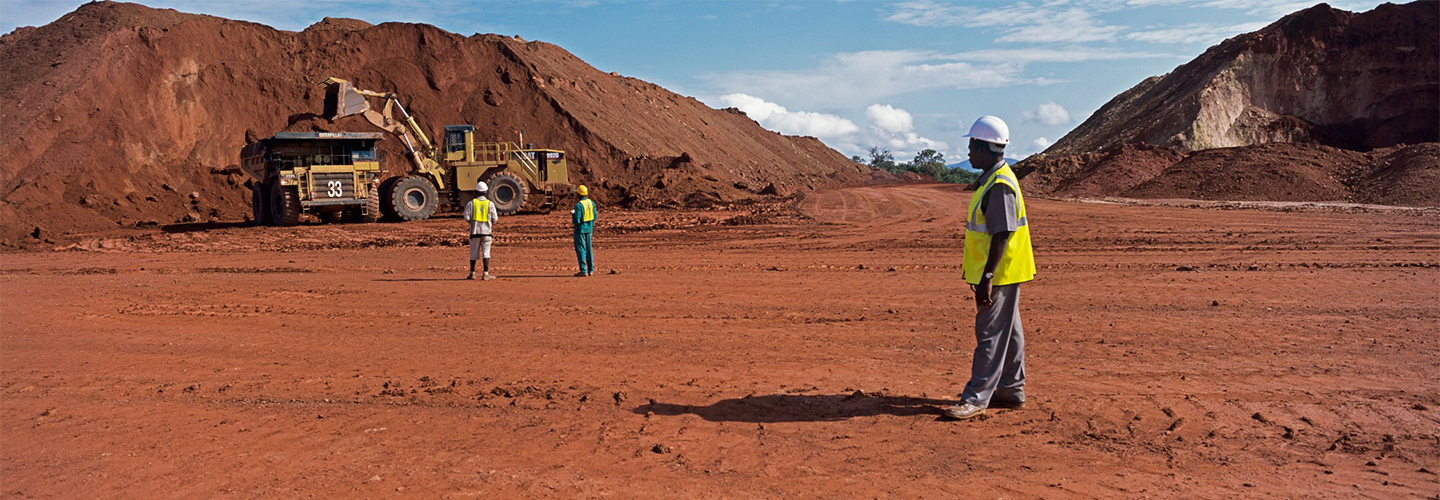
<point x="508" y="192"/>
<point x="414" y="198"/>
<point x="259" y="204"/>
<point x="284" y="205"/>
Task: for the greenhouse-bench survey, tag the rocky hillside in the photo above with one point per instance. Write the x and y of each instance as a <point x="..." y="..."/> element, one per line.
<point x="1339" y="98"/>
<point x="1349" y="80"/>
<point x="119" y="114"/>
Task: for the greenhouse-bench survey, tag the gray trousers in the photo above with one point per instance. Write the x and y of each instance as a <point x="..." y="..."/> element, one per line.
<point x="999" y="366"/>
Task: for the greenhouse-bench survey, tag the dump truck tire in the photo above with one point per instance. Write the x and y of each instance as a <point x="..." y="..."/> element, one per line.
<point x="507" y="192"/>
<point x="387" y="188"/>
<point x="284" y="205"/>
<point x="332" y="217"/>
<point x="259" y="206"/>
<point x="371" y="211"/>
<point x="414" y="198"/>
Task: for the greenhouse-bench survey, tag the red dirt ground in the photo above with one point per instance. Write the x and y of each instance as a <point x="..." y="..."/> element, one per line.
<point x="1173" y="352"/>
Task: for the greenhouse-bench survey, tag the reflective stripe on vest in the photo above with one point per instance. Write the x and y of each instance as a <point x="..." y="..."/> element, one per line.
<point x="1017" y="263"/>
<point x="482" y="211"/>
<point x="588" y="208"/>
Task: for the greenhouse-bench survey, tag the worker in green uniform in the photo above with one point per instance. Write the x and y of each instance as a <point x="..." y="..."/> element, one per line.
<point x="584" y="218"/>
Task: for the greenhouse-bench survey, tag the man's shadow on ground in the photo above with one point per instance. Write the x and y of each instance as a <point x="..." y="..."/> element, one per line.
<point x="802" y="408"/>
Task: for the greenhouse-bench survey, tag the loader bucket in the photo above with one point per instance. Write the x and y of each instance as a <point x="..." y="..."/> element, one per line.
<point x="341" y="100"/>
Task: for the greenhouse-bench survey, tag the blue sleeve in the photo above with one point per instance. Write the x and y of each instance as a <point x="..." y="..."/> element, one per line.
<point x="578" y="215"/>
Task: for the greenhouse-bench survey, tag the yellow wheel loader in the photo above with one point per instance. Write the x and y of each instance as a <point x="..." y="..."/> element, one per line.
<point x="445" y="176"/>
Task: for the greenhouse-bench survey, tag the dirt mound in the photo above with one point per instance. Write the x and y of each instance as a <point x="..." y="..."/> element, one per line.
<point x="1407" y="176"/>
<point x="126" y="115"/>
<point x="1271" y="172"/>
<point x="1401" y="175"/>
<point x="1354" y="81"/>
<point x="1113" y="170"/>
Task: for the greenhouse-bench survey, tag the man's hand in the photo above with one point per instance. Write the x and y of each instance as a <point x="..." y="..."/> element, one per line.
<point x="982" y="295"/>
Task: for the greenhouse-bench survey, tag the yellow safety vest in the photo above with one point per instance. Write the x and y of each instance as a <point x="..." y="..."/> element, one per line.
<point x="1017" y="264"/>
<point x="482" y="211"/>
<point x="588" y="210"/>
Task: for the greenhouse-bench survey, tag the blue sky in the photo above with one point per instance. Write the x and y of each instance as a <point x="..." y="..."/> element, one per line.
<point x="900" y="75"/>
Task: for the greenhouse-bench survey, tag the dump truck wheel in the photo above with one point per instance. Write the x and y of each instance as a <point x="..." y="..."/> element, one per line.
<point x="414" y="198"/>
<point x="332" y="217"/>
<point x="259" y="206"/>
<point x="387" y="188"/>
<point x="508" y="193"/>
<point x="371" y="211"/>
<point x="284" y="205"/>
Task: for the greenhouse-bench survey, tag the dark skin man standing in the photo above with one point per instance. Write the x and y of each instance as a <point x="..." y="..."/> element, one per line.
<point x="998" y="258"/>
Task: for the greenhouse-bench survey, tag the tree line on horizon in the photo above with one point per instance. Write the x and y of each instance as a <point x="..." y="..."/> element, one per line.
<point x="927" y="162"/>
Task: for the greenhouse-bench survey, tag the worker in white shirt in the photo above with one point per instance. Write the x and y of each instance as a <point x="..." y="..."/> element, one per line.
<point x="480" y="214"/>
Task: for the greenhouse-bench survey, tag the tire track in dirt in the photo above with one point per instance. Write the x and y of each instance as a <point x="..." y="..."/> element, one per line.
<point x="795" y="355"/>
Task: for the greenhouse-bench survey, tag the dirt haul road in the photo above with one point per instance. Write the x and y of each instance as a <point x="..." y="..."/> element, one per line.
<point x="1172" y="352"/>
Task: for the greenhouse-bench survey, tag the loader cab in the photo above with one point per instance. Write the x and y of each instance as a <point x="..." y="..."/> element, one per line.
<point x="551" y="165"/>
<point x="460" y="143"/>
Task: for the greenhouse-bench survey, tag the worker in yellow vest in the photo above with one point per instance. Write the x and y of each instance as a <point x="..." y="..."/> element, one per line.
<point x="584" y="218"/>
<point x="480" y="214"/>
<point x="998" y="258"/>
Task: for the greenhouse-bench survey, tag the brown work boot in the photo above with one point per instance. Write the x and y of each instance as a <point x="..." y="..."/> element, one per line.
<point x="964" y="411"/>
<point x="470" y="276"/>
<point x="1007" y="404"/>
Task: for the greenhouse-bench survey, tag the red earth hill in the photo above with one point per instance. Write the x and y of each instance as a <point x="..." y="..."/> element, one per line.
<point x="1320" y="86"/>
<point x="120" y="114"/>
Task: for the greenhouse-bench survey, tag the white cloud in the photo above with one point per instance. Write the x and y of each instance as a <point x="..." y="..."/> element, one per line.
<point x="1019" y="22"/>
<point x="1272" y="9"/>
<point x="1073" y="53"/>
<point x="894" y="129"/>
<point x="889" y="127"/>
<point x="1041" y="143"/>
<point x="775" y="117"/>
<point x="1050" y="113"/>
<point x="890" y="119"/>
<point x="1193" y="33"/>
<point x="906" y="144"/>
<point x="851" y="80"/>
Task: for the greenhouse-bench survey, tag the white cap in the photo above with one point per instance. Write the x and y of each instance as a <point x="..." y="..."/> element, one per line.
<point x="481" y="187"/>
<point x="990" y="129"/>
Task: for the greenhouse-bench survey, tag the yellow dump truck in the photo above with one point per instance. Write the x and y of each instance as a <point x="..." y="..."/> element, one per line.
<point x="519" y="178"/>
<point x="334" y="175"/>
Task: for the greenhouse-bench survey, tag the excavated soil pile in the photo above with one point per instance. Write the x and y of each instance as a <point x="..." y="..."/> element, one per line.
<point x="1401" y="175"/>
<point x="1335" y="96"/>
<point x="1112" y="170"/>
<point x="121" y="114"/>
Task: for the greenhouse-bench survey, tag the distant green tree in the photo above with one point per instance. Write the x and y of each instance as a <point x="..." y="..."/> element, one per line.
<point x="882" y="159"/>
<point x="927" y="162"/>
<point x="930" y="162"/>
<point x="959" y="176"/>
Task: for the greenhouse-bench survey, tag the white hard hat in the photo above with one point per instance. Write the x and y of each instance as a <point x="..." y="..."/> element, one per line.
<point x="990" y="129"/>
<point x="481" y="187"/>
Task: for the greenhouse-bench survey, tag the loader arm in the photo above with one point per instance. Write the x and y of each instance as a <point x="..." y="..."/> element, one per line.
<point x="343" y="99"/>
